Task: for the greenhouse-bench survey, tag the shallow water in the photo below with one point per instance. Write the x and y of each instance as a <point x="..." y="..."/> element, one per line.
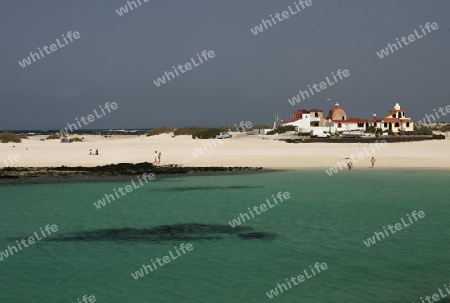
<point x="326" y="219"/>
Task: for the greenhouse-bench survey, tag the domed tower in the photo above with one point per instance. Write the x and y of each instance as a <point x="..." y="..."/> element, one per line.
<point x="337" y="113"/>
<point x="396" y="120"/>
<point x="397" y="112"/>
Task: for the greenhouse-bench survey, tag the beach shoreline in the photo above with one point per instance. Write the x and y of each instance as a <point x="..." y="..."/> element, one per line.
<point x="242" y="150"/>
<point x="25" y="176"/>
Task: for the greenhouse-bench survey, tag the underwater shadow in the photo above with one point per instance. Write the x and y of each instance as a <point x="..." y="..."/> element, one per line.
<point x="162" y="233"/>
<point x="208" y="188"/>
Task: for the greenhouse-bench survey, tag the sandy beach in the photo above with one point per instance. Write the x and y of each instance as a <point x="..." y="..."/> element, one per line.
<point x="241" y="150"/>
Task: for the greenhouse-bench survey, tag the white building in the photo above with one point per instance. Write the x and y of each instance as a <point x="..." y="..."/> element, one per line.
<point x="304" y="120"/>
<point x="338" y="121"/>
<point x="396" y="121"/>
<point x="341" y="122"/>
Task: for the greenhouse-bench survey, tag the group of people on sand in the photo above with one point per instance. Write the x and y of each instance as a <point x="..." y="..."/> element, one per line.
<point x="350" y="163"/>
<point x="157" y="157"/>
<point x="92" y="153"/>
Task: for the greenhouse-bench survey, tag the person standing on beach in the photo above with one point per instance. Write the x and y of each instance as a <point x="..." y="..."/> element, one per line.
<point x="350" y="165"/>
<point x="159" y="157"/>
<point x="372" y="161"/>
<point x="156" y="156"/>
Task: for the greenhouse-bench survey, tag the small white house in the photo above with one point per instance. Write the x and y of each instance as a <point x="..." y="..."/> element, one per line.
<point x="305" y="120"/>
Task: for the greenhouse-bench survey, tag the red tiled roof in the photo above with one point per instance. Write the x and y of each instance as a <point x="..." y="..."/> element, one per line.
<point x="357" y="120"/>
<point x="298" y="115"/>
<point x="352" y="120"/>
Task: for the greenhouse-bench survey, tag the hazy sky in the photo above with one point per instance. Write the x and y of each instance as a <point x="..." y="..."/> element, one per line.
<point x="117" y="58"/>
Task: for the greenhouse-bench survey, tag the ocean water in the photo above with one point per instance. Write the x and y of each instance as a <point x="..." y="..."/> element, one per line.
<point x="95" y="251"/>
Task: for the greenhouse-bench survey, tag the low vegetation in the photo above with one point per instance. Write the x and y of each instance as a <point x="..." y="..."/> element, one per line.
<point x="201" y="133"/>
<point x="53" y="137"/>
<point x="425" y="130"/>
<point x="159" y="130"/>
<point x="76" y="139"/>
<point x="187" y="131"/>
<point x="261" y="126"/>
<point x="7" y="137"/>
<point x="442" y="127"/>
<point x="282" y="129"/>
<point x="445" y="128"/>
<point x="209" y="133"/>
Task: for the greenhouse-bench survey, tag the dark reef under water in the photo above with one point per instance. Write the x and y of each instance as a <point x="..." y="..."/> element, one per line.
<point x="161" y="233"/>
<point x="210" y="187"/>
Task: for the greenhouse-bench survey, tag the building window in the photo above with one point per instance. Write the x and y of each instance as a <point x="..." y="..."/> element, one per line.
<point x="343" y="118"/>
<point x="375" y="124"/>
<point x="360" y="124"/>
<point x="385" y="124"/>
<point x="316" y="115"/>
<point x="407" y="124"/>
<point x="394" y="116"/>
<point x="397" y="124"/>
<point x="339" y="125"/>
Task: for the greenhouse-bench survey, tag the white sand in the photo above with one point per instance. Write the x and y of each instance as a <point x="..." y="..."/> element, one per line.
<point x="243" y="150"/>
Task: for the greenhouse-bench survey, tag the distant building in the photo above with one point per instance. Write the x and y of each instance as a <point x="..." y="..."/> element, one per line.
<point x="396" y="121"/>
<point x="338" y="116"/>
<point x="304" y="120"/>
<point x="338" y="121"/>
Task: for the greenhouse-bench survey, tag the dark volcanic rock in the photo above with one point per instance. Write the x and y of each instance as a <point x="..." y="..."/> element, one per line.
<point x="358" y="140"/>
<point x="113" y="170"/>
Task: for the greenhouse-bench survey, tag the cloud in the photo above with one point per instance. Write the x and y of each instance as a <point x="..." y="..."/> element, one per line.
<point x="39" y="93"/>
<point x="257" y="95"/>
<point x="67" y="93"/>
<point x="63" y="93"/>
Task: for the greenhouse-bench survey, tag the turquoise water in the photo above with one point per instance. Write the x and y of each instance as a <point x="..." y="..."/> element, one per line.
<point x="325" y="220"/>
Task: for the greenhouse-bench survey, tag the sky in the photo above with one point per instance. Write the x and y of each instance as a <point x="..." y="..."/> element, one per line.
<point x="250" y="78"/>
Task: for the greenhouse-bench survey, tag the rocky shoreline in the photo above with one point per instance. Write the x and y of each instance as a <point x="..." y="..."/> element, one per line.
<point x="115" y="172"/>
<point x="358" y="140"/>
